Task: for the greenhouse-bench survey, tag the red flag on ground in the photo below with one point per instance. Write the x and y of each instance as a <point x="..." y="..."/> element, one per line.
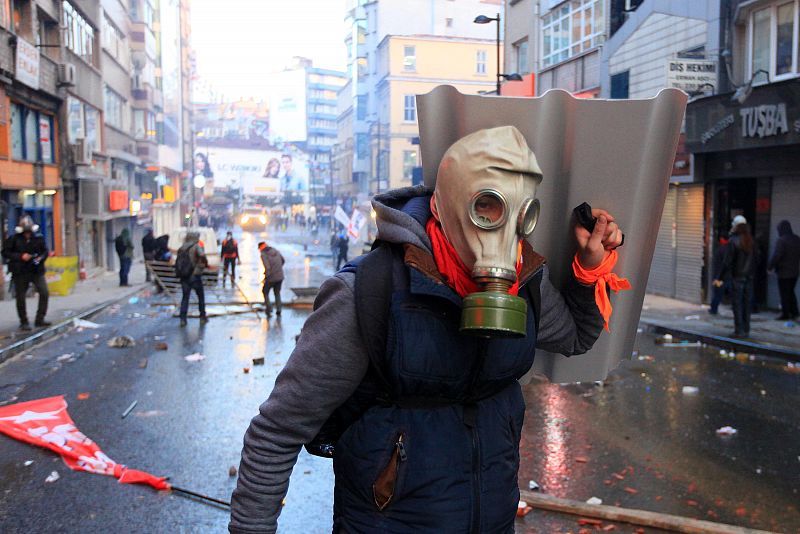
<point x="46" y="423"/>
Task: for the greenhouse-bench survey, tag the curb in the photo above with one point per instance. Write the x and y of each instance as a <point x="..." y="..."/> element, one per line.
<point x="739" y="345"/>
<point x="52" y="331"/>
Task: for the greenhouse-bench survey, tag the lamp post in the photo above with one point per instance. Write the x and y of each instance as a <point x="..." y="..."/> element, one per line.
<point x="483" y="19"/>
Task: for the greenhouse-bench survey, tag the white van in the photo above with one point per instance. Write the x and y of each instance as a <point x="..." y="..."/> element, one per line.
<point x="207" y="235"/>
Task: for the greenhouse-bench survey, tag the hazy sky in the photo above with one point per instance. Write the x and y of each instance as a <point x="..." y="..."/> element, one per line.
<point x="238" y="43"/>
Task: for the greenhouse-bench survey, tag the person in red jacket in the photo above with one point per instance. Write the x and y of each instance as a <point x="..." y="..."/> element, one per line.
<point x="230" y="257"/>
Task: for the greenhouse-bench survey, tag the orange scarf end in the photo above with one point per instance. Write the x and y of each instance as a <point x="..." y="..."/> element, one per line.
<point x="603" y="278"/>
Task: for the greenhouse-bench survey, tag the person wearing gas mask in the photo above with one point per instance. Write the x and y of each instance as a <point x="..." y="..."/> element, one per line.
<point x="26" y="253"/>
<point x="406" y="373"/>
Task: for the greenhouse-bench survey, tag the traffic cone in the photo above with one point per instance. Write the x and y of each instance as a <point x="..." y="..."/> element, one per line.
<point x="82" y="273"/>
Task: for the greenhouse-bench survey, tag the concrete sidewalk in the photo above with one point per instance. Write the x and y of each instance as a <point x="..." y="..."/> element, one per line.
<point x="768" y="336"/>
<point x="86" y="295"/>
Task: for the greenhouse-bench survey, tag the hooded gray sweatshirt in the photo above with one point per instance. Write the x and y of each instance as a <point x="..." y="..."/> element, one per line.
<point x="330" y="360"/>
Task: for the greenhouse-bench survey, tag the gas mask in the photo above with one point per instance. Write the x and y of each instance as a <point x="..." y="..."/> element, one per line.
<point x="26" y="224"/>
<point x="485" y="202"/>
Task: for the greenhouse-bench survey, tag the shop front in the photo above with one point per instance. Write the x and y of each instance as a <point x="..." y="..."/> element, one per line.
<point x="747" y="151"/>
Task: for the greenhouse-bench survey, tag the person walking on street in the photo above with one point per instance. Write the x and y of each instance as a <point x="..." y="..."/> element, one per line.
<point x="26" y="253"/>
<point x="230" y="257"/>
<point x="343" y="244"/>
<point x="273" y="276"/>
<point x="190" y="263"/>
<point x="740" y="263"/>
<point x="124" y="247"/>
<point x="149" y="247"/>
<point x="785" y="263"/>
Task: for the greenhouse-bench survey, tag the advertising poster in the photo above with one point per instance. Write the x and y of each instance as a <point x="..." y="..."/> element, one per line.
<point x="263" y="173"/>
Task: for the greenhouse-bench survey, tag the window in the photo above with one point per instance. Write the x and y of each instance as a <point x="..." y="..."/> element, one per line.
<point x="31" y="135"/>
<point x="409" y="162"/>
<point x="144" y="125"/>
<point x="114" y="42"/>
<point x="480" y="62"/>
<point x="572" y="28"/>
<point x="47" y="36"/>
<point x="773" y="41"/>
<point x="115" y="108"/>
<point x="521" y="53"/>
<point x="5" y="13"/>
<point x="409" y="58"/>
<point x="78" y="33"/>
<point x="409" y="108"/>
<point x="448" y="22"/>
<point x="619" y="84"/>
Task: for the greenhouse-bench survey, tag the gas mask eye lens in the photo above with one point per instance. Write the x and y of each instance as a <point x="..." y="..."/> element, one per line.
<point x="528" y="217"/>
<point x="488" y="209"/>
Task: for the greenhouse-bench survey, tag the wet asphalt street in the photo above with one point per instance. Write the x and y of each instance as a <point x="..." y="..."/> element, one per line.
<point x="637" y="440"/>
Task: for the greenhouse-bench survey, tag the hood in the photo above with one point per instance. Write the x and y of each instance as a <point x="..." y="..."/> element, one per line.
<point x="784" y="228"/>
<point x="191" y="238"/>
<point x="402" y="214"/>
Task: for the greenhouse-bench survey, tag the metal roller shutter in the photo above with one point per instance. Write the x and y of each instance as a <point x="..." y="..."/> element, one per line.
<point x="689" y="258"/>
<point x="662" y="269"/>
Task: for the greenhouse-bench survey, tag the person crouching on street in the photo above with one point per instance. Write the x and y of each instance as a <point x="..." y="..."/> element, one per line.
<point x="230" y="257"/>
<point x="26" y="253"/>
<point x="189" y="265"/>
<point x="273" y="276"/>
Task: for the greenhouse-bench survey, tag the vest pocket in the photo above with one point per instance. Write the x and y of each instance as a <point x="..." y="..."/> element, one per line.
<point x="383" y="490"/>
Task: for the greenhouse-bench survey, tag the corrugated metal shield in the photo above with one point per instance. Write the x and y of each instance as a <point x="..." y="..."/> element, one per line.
<point x="614" y="154"/>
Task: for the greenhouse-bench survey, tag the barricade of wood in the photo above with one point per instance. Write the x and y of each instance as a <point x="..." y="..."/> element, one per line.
<point x="164" y="274"/>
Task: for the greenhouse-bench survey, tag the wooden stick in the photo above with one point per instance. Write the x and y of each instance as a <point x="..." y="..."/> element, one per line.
<point x="636" y="517"/>
<point x="201" y="496"/>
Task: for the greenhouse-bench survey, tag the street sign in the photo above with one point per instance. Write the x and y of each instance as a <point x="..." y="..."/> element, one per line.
<point x="690" y="74"/>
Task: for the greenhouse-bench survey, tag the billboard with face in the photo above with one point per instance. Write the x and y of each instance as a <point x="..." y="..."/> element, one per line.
<point x="261" y="173"/>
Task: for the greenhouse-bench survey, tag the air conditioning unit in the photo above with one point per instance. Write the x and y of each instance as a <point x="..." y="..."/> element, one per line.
<point x="66" y="74"/>
<point x="81" y="152"/>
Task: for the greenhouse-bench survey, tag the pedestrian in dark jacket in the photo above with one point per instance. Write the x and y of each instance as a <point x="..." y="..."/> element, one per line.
<point x="229" y="250"/>
<point x="740" y="263"/>
<point x="26" y="253"/>
<point x="718" y="292"/>
<point x="785" y="263"/>
<point x="343" y="244"/>
<point x="193" y="251"/>
<point x="433" y="445"/>
<point x="273" y="276"/>
<point x="124" y="247"/>
<point x="149" y="247"/>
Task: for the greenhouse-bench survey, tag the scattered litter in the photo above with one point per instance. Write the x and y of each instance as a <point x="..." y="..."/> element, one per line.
<point x="133" y="300"/>
<point x="763" y="392"/>
<point x="195" y="357"/>
<point x="632" y="491"/>
<point x="258" y="361"/>
<point x="726" y="431"/>
<point x="533" y="486"/>
<point x="121" y="342"/>
<point x="618" y="476"/>
<point x="690" y="390"/>
<point x="232" y="471"/>
<point x="82" y="323"/>
<point x="130" y="408"/>
<point x="683" y="344"/>
<point x="666" y="338"/>
<point x="594" y="500"/>
<point x="583" y="521"/>
<point x="159" y="338"/>
<point x="83" y="396"/>
<point x="161" y="346"/>
<point x="692" y="318"/>
<point x="64" y="357"/>
<point x="758" y="470"/>
<point x="523" y="509"/>
<point x="143" y="363"/>
<point x="28" y="462"/>
<point x="609" y="528"/>
<point x="646" y="358"/>
<point x="581" y="459"/>
<point x="789" y="324"/>
<point x="53" y="477"/>
<point x="246" y="370"/>
<point x="307" y="472"/>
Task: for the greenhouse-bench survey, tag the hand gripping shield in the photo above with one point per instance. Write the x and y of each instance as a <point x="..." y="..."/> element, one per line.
<point x="614" y="154"/>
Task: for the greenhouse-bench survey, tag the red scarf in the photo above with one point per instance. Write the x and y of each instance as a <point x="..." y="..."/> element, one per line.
<point x="453" y="269"/>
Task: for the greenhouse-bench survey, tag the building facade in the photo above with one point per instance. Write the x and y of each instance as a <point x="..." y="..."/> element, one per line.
<point x="367" y="23"/>
<point x="415" y="65"/>
<point x="746" y="139"/>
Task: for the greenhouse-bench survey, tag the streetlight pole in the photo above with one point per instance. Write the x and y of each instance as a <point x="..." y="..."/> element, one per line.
<point x="483" y="19"/>
<point x="497" y="70"/>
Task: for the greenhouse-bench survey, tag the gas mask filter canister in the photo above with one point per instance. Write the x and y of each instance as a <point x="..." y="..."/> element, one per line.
<point x="485" y="202"/>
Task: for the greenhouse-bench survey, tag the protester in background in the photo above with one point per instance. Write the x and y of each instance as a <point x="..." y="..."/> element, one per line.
<point x="334" y="246"/>
<point x="785" y="263"/>
<point x="189" y="265"/>
<point x="230" y="256"/>
<point x="124" y="247"/>
<point x="740" y="263"/>
<point x="718" y="292"/>
<point x="162" y="248"/>
<point x="343" y="244"/>
<point x="26" y="253"/>
<point x="273" y="276"/>
<point x="149" y="250"/>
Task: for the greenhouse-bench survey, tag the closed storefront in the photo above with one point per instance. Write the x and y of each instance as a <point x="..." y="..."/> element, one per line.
<point x="677" y="268"/>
